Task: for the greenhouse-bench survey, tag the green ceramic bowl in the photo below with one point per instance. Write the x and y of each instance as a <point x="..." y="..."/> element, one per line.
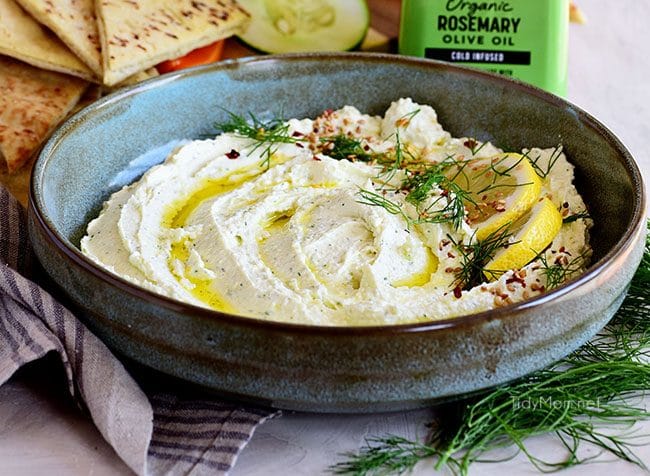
<point x="318" y="368"/>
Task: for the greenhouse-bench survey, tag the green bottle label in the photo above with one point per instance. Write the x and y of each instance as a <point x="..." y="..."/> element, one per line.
<point x="526" y="39"/>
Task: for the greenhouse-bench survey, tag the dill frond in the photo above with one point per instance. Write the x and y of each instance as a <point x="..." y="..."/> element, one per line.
<point x="266" y="134"/>
<point x="378" y="200"/>
<point x="475" y="149"/>
<point x="543" y="172"/>
<point x="390" y="167"/>
<point x="576" y="216"/>
<point x="341" y="147"/>
<point x="557" y="273"/>
<point x="475" y="255"/>
<point x="392" y="454"/>
<point x="421" y="183"/>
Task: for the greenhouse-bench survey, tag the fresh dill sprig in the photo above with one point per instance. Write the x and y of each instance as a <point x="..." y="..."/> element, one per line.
<point x="267" y="134"/>
<point x="474" y="256"/>
<point x="496" y="174"/>
<point x="559" y="271"/>
<point x="390" y="167"/>
<point x="576" y="216"/>
<point x="544" y="171"/>
<point x="401" y="153"/>
<point x="475" y="148"/>
<point x="592" y="396"/>
<point x="453" y="198"/>
<point x="342" y="147"/>
<point x="454" y="209"/>
<point x="386" y="455"/>
<point x="421" y="182"/>
<point x="377" y="200"/>
<point x="446" y="207"/>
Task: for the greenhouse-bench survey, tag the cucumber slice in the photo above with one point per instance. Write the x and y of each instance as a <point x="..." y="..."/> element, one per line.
<point x="285" y="26"/>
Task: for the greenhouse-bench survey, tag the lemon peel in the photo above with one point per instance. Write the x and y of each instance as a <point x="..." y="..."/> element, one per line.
<point x="501" y="190"/>
<point x="531" y="235"/>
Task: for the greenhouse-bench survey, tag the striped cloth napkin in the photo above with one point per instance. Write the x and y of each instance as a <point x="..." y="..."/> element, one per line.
<point x="152" y="431"/>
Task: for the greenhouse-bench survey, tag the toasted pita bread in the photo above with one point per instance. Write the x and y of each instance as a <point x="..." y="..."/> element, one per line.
<point x="138" y="34"/>
<point x="74" y="23"/>
<point x="32" y="102"/>
<point x="137" y="77"/>
<point x="23" y="38"/>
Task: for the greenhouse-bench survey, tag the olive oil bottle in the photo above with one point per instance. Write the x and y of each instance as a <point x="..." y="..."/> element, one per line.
<point x="525" y="39"/>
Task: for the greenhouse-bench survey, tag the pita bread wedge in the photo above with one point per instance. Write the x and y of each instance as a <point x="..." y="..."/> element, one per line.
<point x="137" y="77"/>
<point x="74" y="23"/>
<point x="32" y="102"/>
<point x="23" y="38"/>
<point x="138" y="34"/>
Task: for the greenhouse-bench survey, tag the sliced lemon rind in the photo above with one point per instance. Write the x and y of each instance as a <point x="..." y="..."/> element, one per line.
<point x="536" y="234"/>
<point x="526" y="192"/>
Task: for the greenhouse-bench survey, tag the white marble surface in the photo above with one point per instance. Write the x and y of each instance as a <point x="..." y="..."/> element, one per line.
<point x="41" y="432"/>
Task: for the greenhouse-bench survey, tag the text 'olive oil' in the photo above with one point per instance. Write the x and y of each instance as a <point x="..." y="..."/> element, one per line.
<point x="525" y="39"/>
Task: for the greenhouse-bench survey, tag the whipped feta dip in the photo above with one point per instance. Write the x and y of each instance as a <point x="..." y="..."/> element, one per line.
<point x="284" y="231"/>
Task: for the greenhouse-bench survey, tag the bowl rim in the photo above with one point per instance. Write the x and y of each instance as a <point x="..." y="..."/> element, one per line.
<point x="37" y="206"/>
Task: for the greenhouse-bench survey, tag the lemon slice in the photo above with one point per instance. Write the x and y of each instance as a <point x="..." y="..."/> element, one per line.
<point x="531" y="234"/>
<point x="500" y="189"/>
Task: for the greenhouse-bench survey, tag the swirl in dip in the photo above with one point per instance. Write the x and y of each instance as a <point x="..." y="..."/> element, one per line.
<point x="291" y="231"/>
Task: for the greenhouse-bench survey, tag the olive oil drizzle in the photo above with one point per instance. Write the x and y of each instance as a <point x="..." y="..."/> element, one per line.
<point x="177" y="216"/>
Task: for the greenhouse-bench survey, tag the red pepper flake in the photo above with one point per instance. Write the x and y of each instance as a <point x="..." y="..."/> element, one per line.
<point x="516" y="279"/>
<point x="316" y="158"/>
<point x="562" y="260"/>
<point x="233" y="154"/>
<point x="458" y="292"/>
<point x="470" y="143"/>
<point x="402" y="122"/>
<point x="297" y="134"/>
